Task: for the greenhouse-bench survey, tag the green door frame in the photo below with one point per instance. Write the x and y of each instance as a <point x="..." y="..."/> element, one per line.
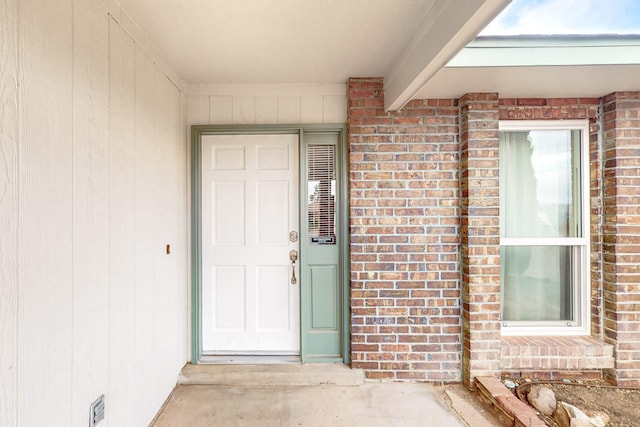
<point x="197" y="131"/>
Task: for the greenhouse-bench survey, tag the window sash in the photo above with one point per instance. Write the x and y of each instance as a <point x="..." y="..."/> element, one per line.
<point x="580" y="273"/>
<point x="543" y="241"/>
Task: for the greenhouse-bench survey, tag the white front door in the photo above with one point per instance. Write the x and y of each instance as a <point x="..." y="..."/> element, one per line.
<point x="249" y="208"/>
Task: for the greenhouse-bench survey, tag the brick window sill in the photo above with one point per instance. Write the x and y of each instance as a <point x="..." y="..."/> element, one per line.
<point x="555" y="353"/>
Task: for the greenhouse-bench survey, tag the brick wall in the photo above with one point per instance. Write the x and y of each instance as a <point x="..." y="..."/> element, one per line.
<point x="404" y="196"/>
<point x="480" y="219"/>
<point x="574" y="109"/>
<point x="480" y="235"/>
<point x="425" y="233"/>
<point x="621" y="234"/>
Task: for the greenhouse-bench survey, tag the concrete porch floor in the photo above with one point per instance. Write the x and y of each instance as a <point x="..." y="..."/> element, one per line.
<point x="307" y="395"/>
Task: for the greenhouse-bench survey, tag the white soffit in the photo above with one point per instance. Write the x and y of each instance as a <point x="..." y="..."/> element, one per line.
<point x="267" y="42"/>
<point x="541" y="66"/>
<point x="278" y="41"/>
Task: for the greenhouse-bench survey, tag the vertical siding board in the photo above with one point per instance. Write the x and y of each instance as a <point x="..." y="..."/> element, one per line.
<point x="91" y="206"/>
<point x="221" y="110"/>
<point x="335" y="109"/>
<point x="288" y="109"/>
<point x="45" y="291"/>
<point x="176" y="207"/>
<point x="166" y="334"/>
<point x="244" y="110"/>
<point x="122" y="226"/>
<point x="8" y="211"/>
<point x="198" y="108"/>
<point x="182" y="208"/>
<point x="162" y="193"/>
<point x="266" y="109"/>
<point x="268" y="104"/>
<point x="311" y="108"/>
<point x="144" y="225"/>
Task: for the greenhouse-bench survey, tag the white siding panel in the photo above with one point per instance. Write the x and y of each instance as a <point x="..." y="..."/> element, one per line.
<point x="335" y="109"/>
<point x="182" y="289"/>
<point x="160" y="327"/>
<point x="8" y="212"/>
<point x="46" y="215"/>
<point x="267" y="104"/>
<point x="122" y="261"/>
<point x="145" y="248"/>
<point x="168" y="336"/>
<point x="90" y="206"/>
<point x="244" y="110"/>
<point x="198" y="110"/>
<point x="311" y="109"/>
<point x="94" y="154"/>
<point x="221" y="110"/>
<point x="288" y="109"/>
<point x="266" y="109"/>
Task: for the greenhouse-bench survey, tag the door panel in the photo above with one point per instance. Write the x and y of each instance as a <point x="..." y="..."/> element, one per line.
<point x="324" y="297"/>
<point x="229" y="204"/>
<point x="271" y="297"/>
<point x="249" y="206"/>
<point x="322" y="241"/>
<point x="229" y="288"/>
<point x="273" y="226"/>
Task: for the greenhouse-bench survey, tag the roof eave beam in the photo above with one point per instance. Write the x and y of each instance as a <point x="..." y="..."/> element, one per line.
<point x="446" y="28"/>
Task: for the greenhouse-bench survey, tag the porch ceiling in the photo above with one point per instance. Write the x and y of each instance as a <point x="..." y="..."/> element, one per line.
<point x="311" y="41"/>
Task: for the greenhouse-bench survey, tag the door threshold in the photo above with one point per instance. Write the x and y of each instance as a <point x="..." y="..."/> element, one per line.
<point x="230" y="359"/>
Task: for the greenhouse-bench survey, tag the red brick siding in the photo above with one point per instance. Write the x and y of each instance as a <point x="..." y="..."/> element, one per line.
<point x="404" y="195"/>
<point x="541" y="354"/>
<point x="548" y="109"/>
<point x="480" y="235"/>
<point x="423" y="183"/>
<point x="621" y="234"/>
<point x="574" y="109"/>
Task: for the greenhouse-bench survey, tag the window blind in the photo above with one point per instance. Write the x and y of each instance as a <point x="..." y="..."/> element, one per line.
<point x="321" y="189"/>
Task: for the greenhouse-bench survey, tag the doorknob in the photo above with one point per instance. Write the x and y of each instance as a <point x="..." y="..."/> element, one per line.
<point x="293" y="256"/>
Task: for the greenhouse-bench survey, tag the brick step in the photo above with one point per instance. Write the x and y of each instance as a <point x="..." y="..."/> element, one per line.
<point x="507" y="404"/>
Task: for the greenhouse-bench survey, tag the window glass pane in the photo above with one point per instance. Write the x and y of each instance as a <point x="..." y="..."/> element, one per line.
<point x="540" y="183"/>
<point x="537" y="282"/>
<point x="321" y="189"/>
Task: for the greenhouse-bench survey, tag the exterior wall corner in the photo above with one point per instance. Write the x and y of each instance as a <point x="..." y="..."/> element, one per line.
<point x="621" y="234"/>
<point x="480" y="234"/>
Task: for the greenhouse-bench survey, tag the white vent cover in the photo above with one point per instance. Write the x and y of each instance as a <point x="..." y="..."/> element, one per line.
<point x="96" y="411"/>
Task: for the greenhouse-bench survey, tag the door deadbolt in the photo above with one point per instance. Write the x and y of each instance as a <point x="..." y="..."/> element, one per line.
<point x="293" y="236"/>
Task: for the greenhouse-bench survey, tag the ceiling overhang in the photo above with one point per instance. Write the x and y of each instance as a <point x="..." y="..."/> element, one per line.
<point x="540" y="67"/>
<point x="293" y="42"/>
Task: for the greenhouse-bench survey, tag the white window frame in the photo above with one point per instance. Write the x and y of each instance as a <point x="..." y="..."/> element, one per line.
<point x="581" y="325"/>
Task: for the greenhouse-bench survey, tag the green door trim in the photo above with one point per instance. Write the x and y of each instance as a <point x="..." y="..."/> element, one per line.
<point x="197" y="131"/>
